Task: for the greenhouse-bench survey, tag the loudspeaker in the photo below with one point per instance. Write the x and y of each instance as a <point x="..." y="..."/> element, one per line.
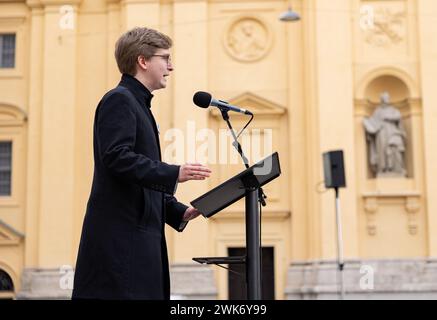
<point x="333" y="167"/>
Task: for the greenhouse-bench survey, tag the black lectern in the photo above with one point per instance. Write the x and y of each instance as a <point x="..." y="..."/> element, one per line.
<point x="245" y="184"/>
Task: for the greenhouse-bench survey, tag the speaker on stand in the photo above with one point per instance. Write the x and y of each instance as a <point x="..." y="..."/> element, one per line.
<point x="333" y="167"/>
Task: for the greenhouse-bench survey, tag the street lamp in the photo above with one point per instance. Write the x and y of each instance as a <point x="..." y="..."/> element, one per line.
<point x="289" y="15"/>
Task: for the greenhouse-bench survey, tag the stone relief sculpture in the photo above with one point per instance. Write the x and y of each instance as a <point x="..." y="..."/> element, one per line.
<point x="386" y="139"/>
<point x="389" y="28"/>
<point x="247" y="40"/>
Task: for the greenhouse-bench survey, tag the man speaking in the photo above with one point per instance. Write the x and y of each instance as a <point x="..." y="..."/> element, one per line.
<point x="122" y="252"/>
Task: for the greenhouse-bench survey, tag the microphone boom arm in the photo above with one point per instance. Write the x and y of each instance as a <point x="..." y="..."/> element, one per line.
<point x="237" y="146"/>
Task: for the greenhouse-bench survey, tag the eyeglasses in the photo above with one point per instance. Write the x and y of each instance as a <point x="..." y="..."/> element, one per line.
<point x="166" y="57"/>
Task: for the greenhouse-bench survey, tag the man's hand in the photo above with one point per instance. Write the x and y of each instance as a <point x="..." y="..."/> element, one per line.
<point x="190" y="214"/>
<point x="193" y="171"/>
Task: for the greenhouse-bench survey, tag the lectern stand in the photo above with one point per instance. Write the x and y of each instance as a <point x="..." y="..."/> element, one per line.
<point x="245" y="184"/>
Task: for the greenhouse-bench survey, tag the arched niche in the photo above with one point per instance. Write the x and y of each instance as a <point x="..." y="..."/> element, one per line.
<point x="397" y="89"/>
<point x="387" y="202"/>
<point x="388" y="74"/>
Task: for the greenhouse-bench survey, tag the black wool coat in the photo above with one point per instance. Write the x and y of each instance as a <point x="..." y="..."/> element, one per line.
<point x="122" y="252"/>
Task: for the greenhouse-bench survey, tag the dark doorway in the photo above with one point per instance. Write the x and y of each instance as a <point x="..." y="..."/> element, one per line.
<point x="237" y="289"/>
<point x="6" y="284"/>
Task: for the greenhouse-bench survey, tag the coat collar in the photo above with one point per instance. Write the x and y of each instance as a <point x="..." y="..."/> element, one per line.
<point x="137" y="88"/>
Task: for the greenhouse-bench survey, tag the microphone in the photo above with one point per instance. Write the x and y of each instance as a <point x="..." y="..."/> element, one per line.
<point x="204" y="100"/>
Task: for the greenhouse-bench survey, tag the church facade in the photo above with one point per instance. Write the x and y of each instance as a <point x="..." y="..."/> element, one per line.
<point x="314" y="85"/>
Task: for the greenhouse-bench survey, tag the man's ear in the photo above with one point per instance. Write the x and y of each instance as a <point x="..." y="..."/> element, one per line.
<point x="142" y="62"/>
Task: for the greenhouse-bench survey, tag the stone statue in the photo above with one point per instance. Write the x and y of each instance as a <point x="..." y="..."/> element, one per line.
<point x="386" y="140"/>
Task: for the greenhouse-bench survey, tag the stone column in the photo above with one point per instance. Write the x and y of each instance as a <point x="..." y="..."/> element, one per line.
<point x="136" y="13"/>
<point x="190" y="61"/>
<point x="190" y="56"/>
<point x="55" y="206"/>
<point x="114" y="30"/>
<point x="333" y="81"/>
<point x="34" y="133"/>
<point x="297" y="113"/>
<point x="327" y="86"/>
<point x="427" y="11"/>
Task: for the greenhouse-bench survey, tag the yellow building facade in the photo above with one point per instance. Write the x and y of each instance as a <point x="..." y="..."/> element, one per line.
<point x="310" y="85"/>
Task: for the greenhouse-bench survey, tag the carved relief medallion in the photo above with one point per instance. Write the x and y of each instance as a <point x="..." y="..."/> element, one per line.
<point x="247" y="39"/>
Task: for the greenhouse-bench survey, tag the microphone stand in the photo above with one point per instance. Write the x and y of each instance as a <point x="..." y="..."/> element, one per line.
<point x="254" y="193"/>
<point x="237" y="146"/>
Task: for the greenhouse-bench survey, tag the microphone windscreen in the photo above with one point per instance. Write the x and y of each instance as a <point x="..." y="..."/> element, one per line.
<point x="202" y="99"/>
